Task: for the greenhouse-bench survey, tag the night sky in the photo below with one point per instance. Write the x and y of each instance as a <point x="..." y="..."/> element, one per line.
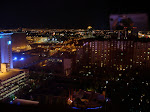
<point x="65" y="13"/>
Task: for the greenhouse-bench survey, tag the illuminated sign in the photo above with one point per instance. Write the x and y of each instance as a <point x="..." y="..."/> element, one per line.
<point x="129" y="21"/>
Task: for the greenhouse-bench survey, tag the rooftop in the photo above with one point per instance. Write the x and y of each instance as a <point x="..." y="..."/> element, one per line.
<point x="1" y="33"/>
<point x="25" y="102"/>
<point x="10" y="74"/>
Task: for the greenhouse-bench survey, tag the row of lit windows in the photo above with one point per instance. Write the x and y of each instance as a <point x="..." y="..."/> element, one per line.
<point x="9" y="93"/>
<point x="103" y="63"/>
<point x="11" y="89"/>
<point x="12" y="78"/>
<point x="55" y="60"/>
<point x="11" y="84"/>
<point x="122" y="45"/>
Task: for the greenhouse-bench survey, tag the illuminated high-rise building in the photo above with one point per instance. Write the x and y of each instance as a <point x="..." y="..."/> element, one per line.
<point x="6" y="49"/>
<point x="96" y="57"/>
<point x="11" y="80"/>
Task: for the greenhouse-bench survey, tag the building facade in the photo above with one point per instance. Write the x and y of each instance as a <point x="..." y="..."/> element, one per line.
<point x="6" y="49"/>
<point x="96" y="57"/>
<point x="12" y="81"/>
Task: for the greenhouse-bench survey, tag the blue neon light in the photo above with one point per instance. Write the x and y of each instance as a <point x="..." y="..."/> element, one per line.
<point x="89" y="108"/>
<point x="9" y="42"/>
<point x="11" y="102"/>
<point x="75" y="108"/>
<point x="21" y="58"/>
<point x="96" y="107"/>
<point x="15" y="58"/>
<point x="18" y="103"/>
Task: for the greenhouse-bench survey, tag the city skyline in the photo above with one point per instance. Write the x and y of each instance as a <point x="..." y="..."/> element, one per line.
<point x="76" y="69"/>
<point x="74" y="56"/>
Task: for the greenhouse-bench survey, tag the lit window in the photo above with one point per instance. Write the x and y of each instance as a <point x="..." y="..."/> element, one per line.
<point x="101" y="64"/>
<point x="147" y="57"/>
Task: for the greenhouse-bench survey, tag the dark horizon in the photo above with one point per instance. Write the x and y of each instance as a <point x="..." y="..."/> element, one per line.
<point x="63" y="14"/>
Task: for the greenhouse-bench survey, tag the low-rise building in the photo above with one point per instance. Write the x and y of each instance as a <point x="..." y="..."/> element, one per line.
<point x="12" y="81"/>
